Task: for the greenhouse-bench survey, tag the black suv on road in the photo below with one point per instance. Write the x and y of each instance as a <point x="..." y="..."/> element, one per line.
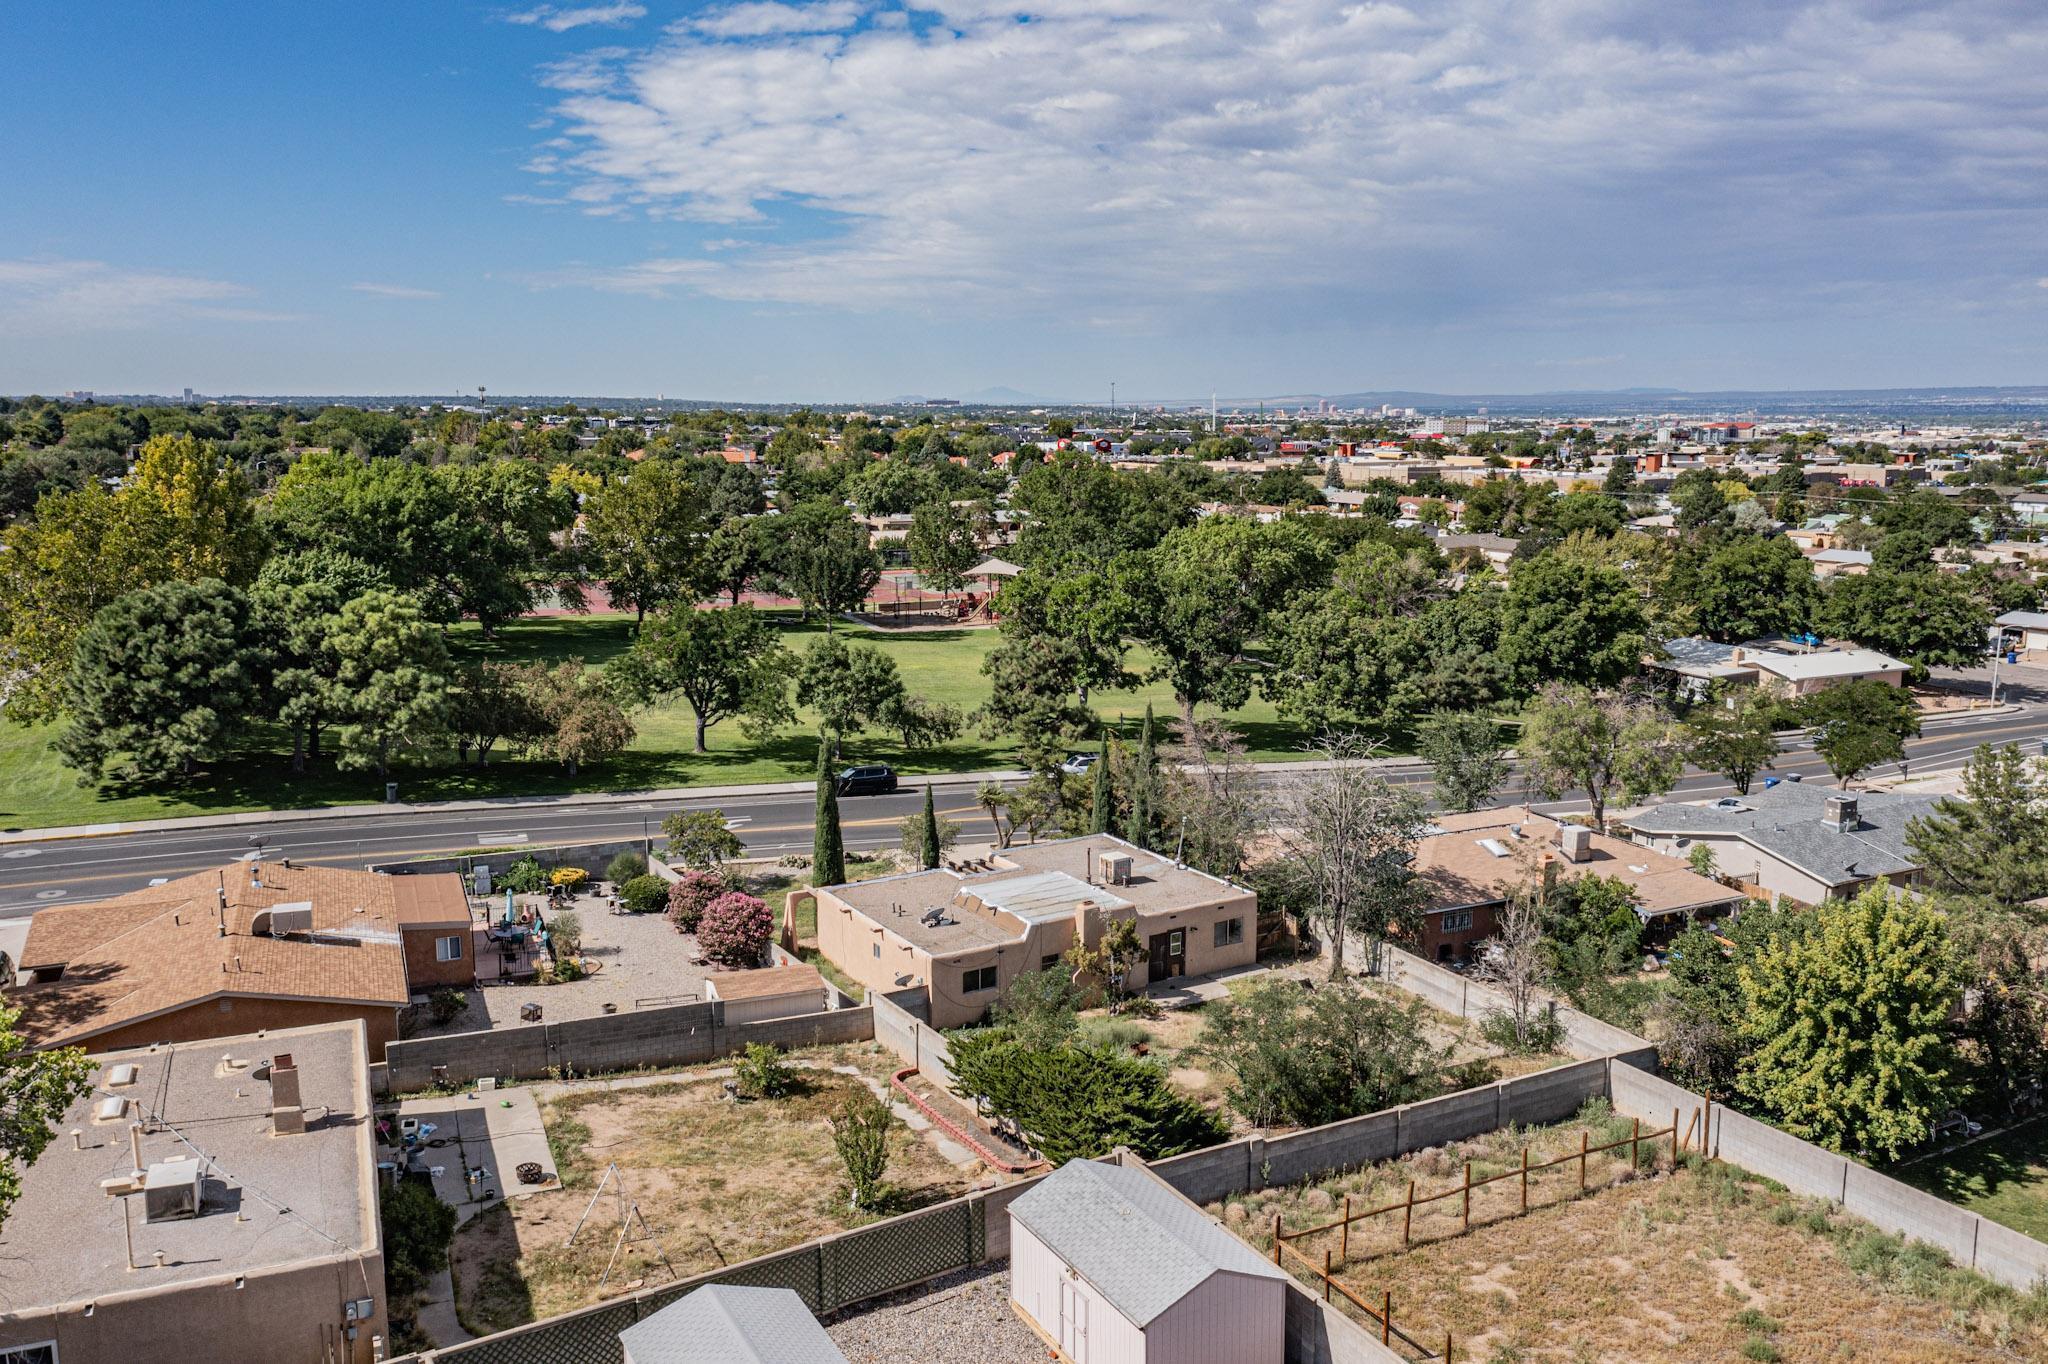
<point x="878" y="780"/>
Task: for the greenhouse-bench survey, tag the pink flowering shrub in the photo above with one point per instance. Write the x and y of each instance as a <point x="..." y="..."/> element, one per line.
<point x="735" y="929"/>
<point x="688" y="897"/>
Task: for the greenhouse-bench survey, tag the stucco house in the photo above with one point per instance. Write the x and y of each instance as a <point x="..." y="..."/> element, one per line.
<point x="963" y="937"/>
<point x="1114" y="1267"/>
<point x="1795" y="841"/>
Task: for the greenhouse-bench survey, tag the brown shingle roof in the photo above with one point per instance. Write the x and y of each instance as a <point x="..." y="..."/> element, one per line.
<point x="430" y="901"/>
<point x="153" y="951"/>
<point x="1459" y="871"/>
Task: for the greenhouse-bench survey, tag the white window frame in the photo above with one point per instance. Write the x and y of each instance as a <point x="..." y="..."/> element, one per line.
<point x="441" y="952"/>
<point x="36" y="1352"/>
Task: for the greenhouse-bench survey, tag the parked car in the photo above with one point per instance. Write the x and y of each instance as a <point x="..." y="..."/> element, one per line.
<point x="1077" y="764"/>
<point x="878" y="780"/>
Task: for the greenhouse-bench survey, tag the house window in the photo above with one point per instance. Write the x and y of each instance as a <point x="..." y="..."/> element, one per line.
<point x="1047" y="963"/>
<point x="979" y="979"/>
<point x="448" y="948"/>
<point x="878" y="951"/>
<point x="1229" y="932"/>
<point x="45" y="1353"/>
<point x="1456" y="920"/>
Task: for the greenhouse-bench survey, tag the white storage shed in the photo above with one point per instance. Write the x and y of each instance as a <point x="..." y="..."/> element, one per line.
<point x="1116" y="1268"/>
<point x="767" y="992"/>
<point x="724" y="1324"/>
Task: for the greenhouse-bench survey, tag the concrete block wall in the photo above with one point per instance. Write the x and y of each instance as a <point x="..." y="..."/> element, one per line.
<point x="1318" y="1333"/>
<point x="1971" y="1240"/>
<point x="910" y="1037"/>
<point x="678" y="1035"/>
<point x="592" y="857"/>
<point x="1586" y="1037"/>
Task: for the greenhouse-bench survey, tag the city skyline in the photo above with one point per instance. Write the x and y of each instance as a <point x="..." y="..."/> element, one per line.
<point x="844" y="201"/>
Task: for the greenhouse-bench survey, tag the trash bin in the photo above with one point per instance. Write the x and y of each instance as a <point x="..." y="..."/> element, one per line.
<point x="391" y="793"/>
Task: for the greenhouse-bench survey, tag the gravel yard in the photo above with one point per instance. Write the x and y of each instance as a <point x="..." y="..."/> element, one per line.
<point x="965" y="1315"/>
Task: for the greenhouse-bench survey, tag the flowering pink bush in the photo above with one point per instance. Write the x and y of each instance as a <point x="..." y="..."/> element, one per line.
<point x="688" y="897"/>
<point x="735" y="929"/>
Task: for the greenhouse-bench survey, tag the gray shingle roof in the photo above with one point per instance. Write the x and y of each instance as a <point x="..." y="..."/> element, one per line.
<point x="724" y="1324"/>
<point x="1142" y="1246"/>
<point x="1786" y="822"/>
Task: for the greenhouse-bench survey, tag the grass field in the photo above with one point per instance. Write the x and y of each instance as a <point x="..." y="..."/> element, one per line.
<point x="2004" y="1178"/>
<point x="718" y="1183"/>
<point x="1662" y="1264"/>
<point x="37" y="790"/>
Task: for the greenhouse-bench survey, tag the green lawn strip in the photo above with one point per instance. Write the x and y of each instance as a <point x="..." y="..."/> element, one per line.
<point x="2004" y="1178"/>
<point x="37" y="790"/>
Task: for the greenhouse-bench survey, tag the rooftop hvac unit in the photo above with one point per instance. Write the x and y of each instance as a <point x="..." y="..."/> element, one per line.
<point x="294" y="916"/>
<point x="1115" y="869"/>
<point x="170" y="1191"/>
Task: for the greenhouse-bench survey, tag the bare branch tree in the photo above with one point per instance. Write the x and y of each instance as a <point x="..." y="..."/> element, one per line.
<point x="1350" y="837"/>
<point x="1513" y="960"/>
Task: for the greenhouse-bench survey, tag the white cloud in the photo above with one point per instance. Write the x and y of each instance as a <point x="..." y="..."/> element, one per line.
<point x="87" y="295"/>
<point x="560" y="19"/>
<point x="1155" y="156"/>
<point x="395" y="291"/>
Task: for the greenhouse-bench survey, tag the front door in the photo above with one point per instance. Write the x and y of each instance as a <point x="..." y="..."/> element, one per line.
<point x="1169" y="956"/>
<point x="1073" y="1322"/>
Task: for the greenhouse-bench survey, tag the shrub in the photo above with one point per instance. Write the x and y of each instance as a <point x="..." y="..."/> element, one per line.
<point x="688" y="896"/>
<point x="1077" y="1102"/>
<point x="1545" y="1032"/>
<point x="644" y="894"/>
<point x="860" y="1133"/>
<point x="1120" y="1034"/>
<point x="625" y="867"/>
<point x="735" y="929"/>
<point x="1038" y="1008"/>
<point x="565" y="931"/>
<point x="568" y="877"/>
<point x="566" y="970"/>
<point x="418" y="1229"/>
<point x="525" y="877"/>
<point x="762" y="1073"/>
<point x="445" y="1004"/>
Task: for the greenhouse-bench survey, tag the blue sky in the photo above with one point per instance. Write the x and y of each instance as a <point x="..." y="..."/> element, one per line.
<point x="845" y="199"/>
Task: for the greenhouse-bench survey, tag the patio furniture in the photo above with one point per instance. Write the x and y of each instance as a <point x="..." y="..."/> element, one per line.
<point x="529" y="1013"/>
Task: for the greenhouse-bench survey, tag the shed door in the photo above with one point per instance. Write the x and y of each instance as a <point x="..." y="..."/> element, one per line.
<point x="1073" y="1321"/>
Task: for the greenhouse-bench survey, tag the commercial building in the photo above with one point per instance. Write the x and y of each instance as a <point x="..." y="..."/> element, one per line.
<point x="1470" y="863"/>
<point x="1795" y="841"/>
<point x="249" y="945"/>
<point x="962" y="938"/>
<point x="208" y="1201"/>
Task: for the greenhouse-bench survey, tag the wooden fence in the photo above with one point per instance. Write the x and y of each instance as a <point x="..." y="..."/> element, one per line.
<point x="1382" y="1316"/>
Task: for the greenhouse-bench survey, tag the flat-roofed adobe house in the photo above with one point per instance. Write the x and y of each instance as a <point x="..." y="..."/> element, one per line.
<point x="218" y="1203"/>
<point x="962" y="938"/>
<point x="1114" y="1267"/>
<point x="249" y="945"/>
<point x="1470" y="863"/>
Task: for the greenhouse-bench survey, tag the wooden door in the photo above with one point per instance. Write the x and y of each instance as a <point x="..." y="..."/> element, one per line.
<point x="1169" y="956"/>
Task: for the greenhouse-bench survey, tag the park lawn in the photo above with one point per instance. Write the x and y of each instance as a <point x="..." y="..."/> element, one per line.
<point x="37" y="790"/>
<point x="2004" y="1178"/>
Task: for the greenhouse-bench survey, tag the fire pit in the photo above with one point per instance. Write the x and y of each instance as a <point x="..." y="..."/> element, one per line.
<point x="530" y="1172"/>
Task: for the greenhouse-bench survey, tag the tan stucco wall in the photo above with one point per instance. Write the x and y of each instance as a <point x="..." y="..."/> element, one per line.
<point x="424" y="972"/>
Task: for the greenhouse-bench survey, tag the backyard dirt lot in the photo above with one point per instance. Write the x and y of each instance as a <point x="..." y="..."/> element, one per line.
<point x="718" y="1182"/>
<point x="1696" y="1262"/>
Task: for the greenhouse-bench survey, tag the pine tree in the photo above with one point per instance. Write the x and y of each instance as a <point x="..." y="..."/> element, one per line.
<point x="928" y="842"/>
<point x="828" y="851"/>
<point x="1100" y="811"/>
<point x="1140" y="829"/>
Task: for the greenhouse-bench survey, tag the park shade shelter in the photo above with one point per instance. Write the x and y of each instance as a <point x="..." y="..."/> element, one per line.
<point x="730" y="1324"/>
<point x="994" y="568"/>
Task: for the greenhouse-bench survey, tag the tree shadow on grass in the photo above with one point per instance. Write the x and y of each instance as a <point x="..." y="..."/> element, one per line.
<point x="2011" y="1162"/>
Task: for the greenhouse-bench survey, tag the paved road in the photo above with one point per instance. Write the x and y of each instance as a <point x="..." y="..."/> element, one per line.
<point x="71" y="871"/>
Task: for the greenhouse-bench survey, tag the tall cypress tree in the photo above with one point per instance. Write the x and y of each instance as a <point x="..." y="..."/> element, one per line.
<point x="828" y="851"/>
<point x="1140" y="831"/>
<point x="928" y="835"/>
<point x="1099" y="811"/>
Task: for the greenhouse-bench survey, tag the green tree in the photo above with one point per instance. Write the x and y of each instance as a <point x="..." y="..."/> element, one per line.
<point x="1848" y="1024"/>
<point x="392" y="673"/>
<point x="701" y="838"/>
<point x="1572" y="622"/>
<point x="860" y="1134"/>
<point x="645" y="535"/>
<point x="1213" y="585"/>
<point x="944" y="542"/>
<point x="1101" y="805"/>
<point x="850" y="686"/>
<point x="162" y="679"/>
<point x="822" y="558"/>
<point x="1602" y="743"/>
<point x="1040" y="1008"/>
<point x="1734" y="734"/>
<point x="492" y="703"/>
<point x="1062" y="635"/>
<point x="724" y="663"/>
<point x="1859" y="725"/>
<point x="1342" y="654"/>
<point x="1754" y="585"/>
<point x="1143" y="784"/>
<point x="735" y="553"/>
<point x="1927" y="618"/>
<point x="297" y="600"/>
<point x="828" y="850"/>
<point x="928" y="833"/>
<point x="580" y="721"/>
<point x="1077" y="1102"/>
<point x="37" y="1087"/>
<point x="418" y="1230"/>
<point x="1309" y="1059"/>
<point x="1465" y="758"/>
<point x="1992" y="842"/>
<point x="1350" y="844"/>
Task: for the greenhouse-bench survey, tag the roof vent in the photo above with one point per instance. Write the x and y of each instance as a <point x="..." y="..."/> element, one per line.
<point x="294" y="916"/>
<point x="1494" y="846"/>
<point x="110" y="1110"/>
<point x="124" y="1074"/>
